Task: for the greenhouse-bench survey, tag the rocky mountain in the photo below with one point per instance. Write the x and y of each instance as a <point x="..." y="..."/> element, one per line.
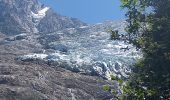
<point x="53" y="22"/>
<point x="47" y="56"/>
<point x="16" y="16"/>
<point x="29" y="16"/>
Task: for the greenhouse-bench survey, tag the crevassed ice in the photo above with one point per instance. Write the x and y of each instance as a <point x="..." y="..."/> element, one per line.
<point x="101" y="59"/>
<point x="93" y="53"/>
<point x="39" y="56"/>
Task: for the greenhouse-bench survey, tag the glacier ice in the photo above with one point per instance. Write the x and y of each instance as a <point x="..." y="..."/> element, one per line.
<point x="92" y="52"/>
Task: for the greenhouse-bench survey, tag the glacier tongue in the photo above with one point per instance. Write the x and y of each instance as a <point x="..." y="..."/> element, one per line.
<point x="93" y="61"/>
<point x="89" y="50"/>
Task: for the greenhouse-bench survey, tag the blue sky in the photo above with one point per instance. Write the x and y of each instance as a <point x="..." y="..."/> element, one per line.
<point x="89" y="11"/>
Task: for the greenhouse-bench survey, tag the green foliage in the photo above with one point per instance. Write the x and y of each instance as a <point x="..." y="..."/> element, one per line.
<point x="113" y="77"/>
<point x="149" y="30"/>
<point x="106" y="88"/>
<point x="114" y="35"/>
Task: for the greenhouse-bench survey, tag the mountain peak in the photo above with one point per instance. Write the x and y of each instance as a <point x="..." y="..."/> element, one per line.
<point x="29" y="16"/>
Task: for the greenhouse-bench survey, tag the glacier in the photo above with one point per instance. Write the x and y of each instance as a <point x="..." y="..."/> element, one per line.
<point x="89" y="50"/>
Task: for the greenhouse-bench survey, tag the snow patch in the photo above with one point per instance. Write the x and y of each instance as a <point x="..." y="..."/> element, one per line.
<point x="41" y="13"/>
<point x="72" y="94"/>
<point x="84" y="26"/>
<point x="35" y="56"/>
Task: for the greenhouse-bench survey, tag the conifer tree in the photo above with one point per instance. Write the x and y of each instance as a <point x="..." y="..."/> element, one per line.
<point x="149" y="30"/>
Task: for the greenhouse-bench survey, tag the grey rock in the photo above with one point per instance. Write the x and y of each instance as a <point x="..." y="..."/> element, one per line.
<point x="16" y="16"/>
<point x="39" y="81"/>
<point x="54" y="22"/>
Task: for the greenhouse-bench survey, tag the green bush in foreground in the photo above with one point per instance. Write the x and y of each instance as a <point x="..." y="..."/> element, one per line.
<point x="149" y="30"/>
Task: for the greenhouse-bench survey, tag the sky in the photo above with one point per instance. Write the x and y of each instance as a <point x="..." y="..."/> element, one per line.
<point x="89" y="11"/>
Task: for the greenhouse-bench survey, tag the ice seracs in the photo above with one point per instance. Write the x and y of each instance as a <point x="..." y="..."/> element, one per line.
<point x="35" y="56"/>
<point x="41" y="13"/>
<point x="90" y="51"/>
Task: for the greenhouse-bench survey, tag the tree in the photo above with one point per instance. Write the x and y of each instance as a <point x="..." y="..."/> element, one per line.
<point x="114" y="35"/>
<point x="149" y="30"/>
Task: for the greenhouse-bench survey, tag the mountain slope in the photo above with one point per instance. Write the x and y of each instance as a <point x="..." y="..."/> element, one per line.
<point x="39" y="81"/>
<point x="46" y="56"/>
<point x="29" y="16"/>
<point x="53" y="22"/>
<point x="22" y="23"/>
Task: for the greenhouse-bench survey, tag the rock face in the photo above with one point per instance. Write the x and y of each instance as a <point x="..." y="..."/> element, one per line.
<point x="53" y="22"/>
<point x="24" y="16"/>
<point x="16" y="16"/>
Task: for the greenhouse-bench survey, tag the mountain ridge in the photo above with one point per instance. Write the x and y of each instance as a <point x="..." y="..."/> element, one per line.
<point x="21" y="18"/>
